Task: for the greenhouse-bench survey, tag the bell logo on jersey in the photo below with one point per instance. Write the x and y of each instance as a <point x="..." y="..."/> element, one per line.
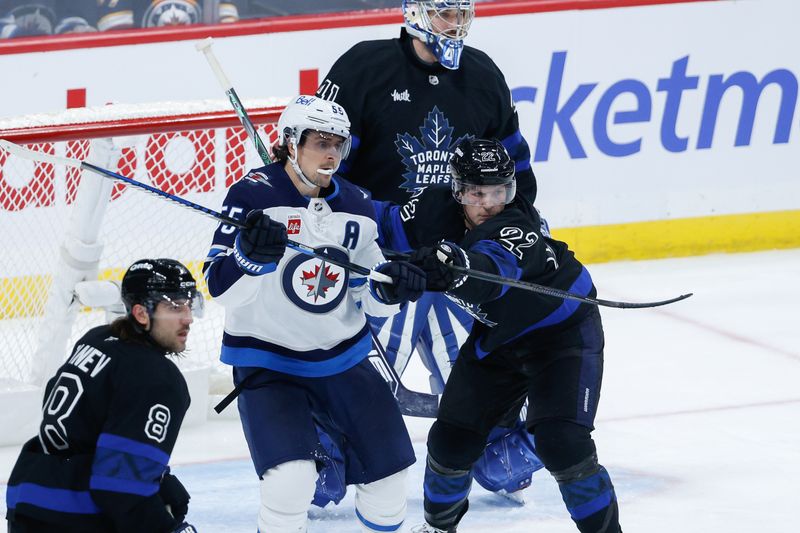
<point x="293" y="225"/>
<point x="427" y="160"/>
<point x="313" y="284"/>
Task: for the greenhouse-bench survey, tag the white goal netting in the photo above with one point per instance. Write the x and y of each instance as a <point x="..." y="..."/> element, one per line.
<point x="195" y="150"/>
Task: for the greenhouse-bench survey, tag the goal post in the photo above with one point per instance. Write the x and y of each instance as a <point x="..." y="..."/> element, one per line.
<point x="61" y="226"/>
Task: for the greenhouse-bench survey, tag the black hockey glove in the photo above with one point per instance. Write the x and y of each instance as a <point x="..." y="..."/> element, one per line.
<point x="435" y="261"/>
<point x="409" y="282"/>
<point x="174" y="495"/>
<point x="262" y="243"/>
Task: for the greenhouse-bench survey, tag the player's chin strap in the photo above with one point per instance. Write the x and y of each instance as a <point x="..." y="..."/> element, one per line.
<point x="296" y="166"/>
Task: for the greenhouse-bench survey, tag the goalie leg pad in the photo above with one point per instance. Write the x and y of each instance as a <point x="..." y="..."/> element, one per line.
<point x="509" y="461"/>
<point x="286" y="492"/>
<point x="330" y="484"/>
<point x="381" y="505"/>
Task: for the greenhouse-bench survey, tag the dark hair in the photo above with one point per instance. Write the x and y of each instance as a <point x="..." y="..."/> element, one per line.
<point x="280" y="153"/>
<point x="127" y="329"/>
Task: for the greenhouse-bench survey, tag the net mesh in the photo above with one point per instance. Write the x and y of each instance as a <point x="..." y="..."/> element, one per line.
<point x="36" y="202"/>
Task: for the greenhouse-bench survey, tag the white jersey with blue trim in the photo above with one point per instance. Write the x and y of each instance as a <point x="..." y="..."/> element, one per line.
<point x="306" y="317"/>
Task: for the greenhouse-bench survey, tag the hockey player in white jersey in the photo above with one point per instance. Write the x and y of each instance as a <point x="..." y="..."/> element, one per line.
<point x="295" y="328"/>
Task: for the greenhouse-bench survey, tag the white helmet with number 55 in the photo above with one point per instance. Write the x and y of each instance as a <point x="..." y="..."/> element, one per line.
<point x="311" y="113"/>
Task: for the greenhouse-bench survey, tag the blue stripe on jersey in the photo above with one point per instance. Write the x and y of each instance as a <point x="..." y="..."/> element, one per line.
<point x="132" y="447"/>
<point x="377" y="527"/>
<point x="356" y="282"/>
<point x="519" y="150"/>
<point x="221" y="275"/>
<point x="355" y="142"/>
<point x="581" y="286"/>
<point x="335" y="192"/>
<point x="505" y="261"/>
<point x="128" y="466"/>
<point x="391" y="233"/>
<point x="61" y="500"/>
<point x="126" y="486"/>
<point x="336" y="362"/>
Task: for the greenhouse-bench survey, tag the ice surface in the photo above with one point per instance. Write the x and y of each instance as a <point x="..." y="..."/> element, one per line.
<point x="699" y="422"/>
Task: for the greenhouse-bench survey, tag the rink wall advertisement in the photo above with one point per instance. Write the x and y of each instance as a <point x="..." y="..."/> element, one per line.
<point x="655" y="130"/>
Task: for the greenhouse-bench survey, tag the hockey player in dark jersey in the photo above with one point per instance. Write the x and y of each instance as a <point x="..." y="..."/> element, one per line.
<point x="111" y="415"/>
<point x="295" y="327"/>
<point x="522" y="345"/>
<point x="411" y="100"/>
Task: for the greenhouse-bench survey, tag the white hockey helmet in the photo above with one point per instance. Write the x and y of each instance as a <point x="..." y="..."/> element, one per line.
<point x="455" y="16"/>
<point x="311" y="113"/>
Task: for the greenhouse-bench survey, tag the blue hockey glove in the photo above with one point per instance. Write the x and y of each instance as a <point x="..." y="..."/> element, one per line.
<point x="261" y="245"/>
<point x="435" y="261"/>
<point x="174" y="495"/>
<point x="409" y="282"/>
<point x="186" y="528"/>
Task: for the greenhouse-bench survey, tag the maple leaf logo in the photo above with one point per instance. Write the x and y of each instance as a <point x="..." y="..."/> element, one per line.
<point x="319" y="280"/>
<point x="426" y="159"/>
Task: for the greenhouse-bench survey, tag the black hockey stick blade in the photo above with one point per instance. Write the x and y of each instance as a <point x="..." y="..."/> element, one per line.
<point x="411" y="403"/>
<point x="558" y="293"/>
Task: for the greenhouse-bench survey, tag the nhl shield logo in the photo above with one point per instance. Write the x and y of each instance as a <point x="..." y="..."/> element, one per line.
<point x="433" y="79"/>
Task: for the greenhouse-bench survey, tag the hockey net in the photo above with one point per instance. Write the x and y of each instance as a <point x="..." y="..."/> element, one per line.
<point x="195" y="150"/>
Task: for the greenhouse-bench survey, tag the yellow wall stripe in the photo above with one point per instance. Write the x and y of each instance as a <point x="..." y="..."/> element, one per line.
<point x="684" y="237"/>
<point x="25" y="295"/>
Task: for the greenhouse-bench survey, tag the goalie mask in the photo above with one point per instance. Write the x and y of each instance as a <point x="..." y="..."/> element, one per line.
<point x="149" y="282"/>
<point x="305" y="113"/>
<point x="442" y="25"/>
<point x="482" y="173"/>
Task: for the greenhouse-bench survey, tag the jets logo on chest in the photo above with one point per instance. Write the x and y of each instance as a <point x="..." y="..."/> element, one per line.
<point x="313" y="284"/>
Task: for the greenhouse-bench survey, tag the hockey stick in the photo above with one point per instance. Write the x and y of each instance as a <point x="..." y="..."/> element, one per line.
<point x="549" y="291"/>
<point x="25" y="153"/>
<point x="205" y="47"/>
<point x="411" y="403"/>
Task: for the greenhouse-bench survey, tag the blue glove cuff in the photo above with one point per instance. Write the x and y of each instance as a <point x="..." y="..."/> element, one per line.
<point x="247" y="265"/>
<point x="376" y="287"/>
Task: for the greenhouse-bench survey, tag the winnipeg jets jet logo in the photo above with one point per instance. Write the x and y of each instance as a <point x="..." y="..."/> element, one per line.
<point x="312" y="283"/>
<point x="426" y="159"/>
<point x="319" y="280"/>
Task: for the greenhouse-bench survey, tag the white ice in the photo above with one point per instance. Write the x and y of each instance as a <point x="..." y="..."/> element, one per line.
<point x="699" y="421"/>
